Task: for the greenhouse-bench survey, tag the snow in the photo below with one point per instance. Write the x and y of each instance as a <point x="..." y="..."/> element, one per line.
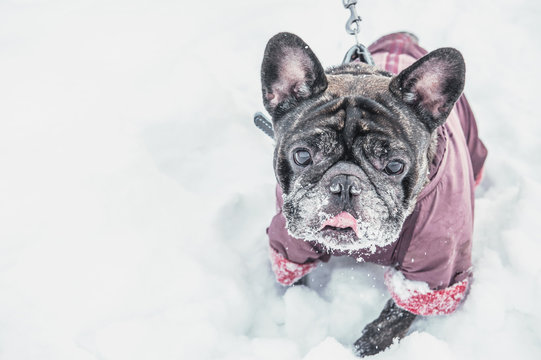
<point x="135" y="190"/>
<point x="403" y="287"/>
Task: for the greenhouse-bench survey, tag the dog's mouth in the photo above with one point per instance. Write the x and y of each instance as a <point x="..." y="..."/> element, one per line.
<point x="339" y="232"/>
<point x="343" y="223"/>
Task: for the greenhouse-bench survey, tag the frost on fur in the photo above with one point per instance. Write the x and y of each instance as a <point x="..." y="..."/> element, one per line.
<point x="376" y="226"/>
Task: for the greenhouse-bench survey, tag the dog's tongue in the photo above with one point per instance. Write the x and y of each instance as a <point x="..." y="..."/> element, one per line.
<point x="343" y="220"/>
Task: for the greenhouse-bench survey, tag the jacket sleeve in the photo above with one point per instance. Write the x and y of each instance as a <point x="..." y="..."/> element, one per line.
<point x="417" y="297"/>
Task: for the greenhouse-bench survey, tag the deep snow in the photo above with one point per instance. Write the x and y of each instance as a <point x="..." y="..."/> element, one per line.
<point x="135" y="191"/>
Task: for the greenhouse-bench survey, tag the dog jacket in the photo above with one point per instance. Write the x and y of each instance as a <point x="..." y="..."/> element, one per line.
<point x="430" y="262"/>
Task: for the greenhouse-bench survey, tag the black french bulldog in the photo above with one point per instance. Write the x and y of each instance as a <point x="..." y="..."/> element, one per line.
<point x="358" y="140"/>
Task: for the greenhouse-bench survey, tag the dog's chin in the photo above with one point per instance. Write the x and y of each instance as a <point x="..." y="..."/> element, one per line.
<point x="345" y="240"/>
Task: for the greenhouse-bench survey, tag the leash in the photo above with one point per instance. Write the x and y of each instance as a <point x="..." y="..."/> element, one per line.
<point x="353" y="27"/>
<point x="356" y="52"/>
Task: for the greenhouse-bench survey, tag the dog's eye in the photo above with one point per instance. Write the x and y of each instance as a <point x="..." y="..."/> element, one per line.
<point x="302" y="157"/>
<point x="394" y="167"/>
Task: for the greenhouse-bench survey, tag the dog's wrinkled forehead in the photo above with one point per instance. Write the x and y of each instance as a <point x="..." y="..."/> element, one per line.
<point x="354" y="102"/>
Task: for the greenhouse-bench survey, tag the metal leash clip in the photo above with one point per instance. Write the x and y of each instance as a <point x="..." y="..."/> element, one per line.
<point x="353" y="23"/>
<point x="353" y="27"/>
<point x="360" y="52"/>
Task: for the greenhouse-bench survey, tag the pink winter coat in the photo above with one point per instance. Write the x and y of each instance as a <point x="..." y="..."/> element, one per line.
<point x="434" y="246"/>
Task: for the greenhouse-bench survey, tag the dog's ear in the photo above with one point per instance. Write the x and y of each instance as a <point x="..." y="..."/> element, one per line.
<point x="290" y="73"/>
<point x="432" y="85"/>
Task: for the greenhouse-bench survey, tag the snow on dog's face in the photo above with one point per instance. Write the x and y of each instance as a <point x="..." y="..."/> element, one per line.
<point x="353" y="144"/>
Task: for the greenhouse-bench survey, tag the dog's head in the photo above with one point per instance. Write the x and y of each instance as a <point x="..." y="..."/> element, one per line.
<point x="353" y="143"/>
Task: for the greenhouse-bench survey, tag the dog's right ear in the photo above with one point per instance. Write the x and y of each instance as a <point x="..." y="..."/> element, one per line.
<point x="290" y="73"/>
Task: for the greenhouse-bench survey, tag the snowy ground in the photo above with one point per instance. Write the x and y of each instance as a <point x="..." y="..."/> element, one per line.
<point x="135" y="191"/>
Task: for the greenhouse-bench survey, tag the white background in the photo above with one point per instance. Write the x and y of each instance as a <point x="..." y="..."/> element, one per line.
<point x="135" y="191"/>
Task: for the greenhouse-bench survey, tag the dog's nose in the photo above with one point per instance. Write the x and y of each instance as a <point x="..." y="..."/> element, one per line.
<point x="345" y="186"/>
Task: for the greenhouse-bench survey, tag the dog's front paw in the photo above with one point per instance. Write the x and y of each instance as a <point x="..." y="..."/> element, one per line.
<point x="392" y="323"/>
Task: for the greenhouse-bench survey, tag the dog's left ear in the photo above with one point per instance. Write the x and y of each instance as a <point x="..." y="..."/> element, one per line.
<point x="290" y="73"/>
<point x="432" y="85"/>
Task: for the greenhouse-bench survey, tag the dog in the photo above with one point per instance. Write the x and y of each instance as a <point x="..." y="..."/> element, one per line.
<point x="369" y="165"/>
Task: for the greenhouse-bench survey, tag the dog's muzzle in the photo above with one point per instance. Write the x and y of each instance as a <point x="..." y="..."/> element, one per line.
<point x="345" y="186"/>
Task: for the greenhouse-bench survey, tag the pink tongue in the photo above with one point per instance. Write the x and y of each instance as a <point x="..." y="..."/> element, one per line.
<point x="343" y="220"/>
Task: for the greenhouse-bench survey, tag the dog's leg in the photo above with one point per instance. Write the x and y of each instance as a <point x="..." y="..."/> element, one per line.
<point x="393" y="322"/>
<point x="303" y="281"/>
